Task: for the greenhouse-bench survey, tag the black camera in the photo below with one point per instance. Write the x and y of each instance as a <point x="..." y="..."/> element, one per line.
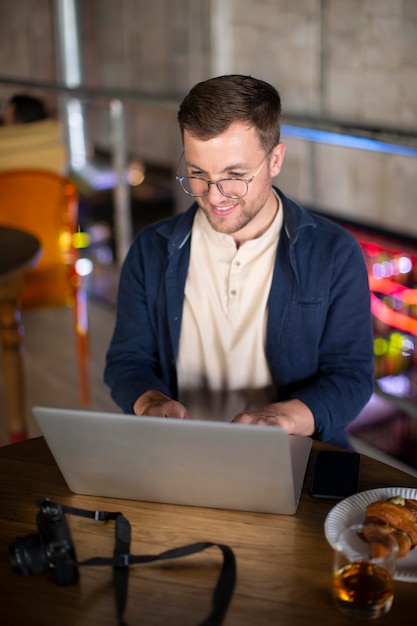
<point x="50" y="548"/>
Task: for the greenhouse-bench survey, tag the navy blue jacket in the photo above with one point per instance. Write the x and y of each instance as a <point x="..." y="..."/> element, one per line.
<point x="319" y="342"/>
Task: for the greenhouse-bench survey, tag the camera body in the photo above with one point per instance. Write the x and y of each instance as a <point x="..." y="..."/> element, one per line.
<point x="50" y="548"/>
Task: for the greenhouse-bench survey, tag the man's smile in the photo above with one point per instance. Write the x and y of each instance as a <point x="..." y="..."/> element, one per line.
<point x="223" y="209"/>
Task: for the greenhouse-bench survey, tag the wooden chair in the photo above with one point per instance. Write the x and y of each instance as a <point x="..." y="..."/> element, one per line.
<point x="45" y="204"/>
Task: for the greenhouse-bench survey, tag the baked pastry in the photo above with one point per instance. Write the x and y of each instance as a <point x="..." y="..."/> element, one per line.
<point x="397" y="516"/>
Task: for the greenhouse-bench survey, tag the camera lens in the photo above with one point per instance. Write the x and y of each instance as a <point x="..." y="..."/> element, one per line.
<point x="28" y="555"/>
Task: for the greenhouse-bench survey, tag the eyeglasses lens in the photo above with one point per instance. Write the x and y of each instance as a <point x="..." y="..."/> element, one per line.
<point x="230" y="187"/>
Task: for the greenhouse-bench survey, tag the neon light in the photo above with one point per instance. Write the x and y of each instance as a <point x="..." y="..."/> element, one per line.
<point x="380" y="346"/>
<point x="346" y="141"/>
<point x="392" y="318"/>
<point x="391" y="288"/>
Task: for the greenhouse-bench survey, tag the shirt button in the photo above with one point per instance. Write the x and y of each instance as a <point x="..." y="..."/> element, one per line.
<point x="233" y="292"/>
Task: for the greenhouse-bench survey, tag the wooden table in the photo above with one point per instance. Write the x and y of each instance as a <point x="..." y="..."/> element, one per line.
<point x="283" y="562"/>
<point x="18" y="251"/>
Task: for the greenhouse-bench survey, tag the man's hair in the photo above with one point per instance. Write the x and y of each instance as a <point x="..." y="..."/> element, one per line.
<point x="213" y="105"/>
<point x="27" y="109"/>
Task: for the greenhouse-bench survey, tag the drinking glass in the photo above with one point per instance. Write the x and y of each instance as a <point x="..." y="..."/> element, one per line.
<point x="363" y="571"/>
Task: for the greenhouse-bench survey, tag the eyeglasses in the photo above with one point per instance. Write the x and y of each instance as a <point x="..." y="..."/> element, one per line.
<point x="230" y="187"/>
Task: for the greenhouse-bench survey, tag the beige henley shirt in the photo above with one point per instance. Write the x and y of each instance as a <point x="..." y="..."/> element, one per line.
<point x="222" y="366"/>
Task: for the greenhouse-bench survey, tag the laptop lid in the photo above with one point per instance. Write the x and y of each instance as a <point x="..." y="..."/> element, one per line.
<point x="188" y="462"/>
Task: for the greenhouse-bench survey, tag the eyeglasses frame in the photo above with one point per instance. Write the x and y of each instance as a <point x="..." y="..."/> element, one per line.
<point x="180" y="179"/>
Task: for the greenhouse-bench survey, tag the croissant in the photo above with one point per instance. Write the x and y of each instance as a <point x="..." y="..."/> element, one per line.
<point x="397" y="516"/>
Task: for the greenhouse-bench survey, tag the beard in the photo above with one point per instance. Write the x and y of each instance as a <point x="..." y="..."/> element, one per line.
<point x="254" y="216"/>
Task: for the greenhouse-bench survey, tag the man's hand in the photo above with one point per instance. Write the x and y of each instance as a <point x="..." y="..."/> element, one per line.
<point x="159" y="405"/>
<point x="293" y="415"/>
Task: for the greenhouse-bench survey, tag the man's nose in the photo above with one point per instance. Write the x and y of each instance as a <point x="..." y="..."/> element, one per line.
<point x="215" y="195"/>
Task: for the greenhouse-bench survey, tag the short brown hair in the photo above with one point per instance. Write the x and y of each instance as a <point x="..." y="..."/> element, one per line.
<point x="212" y="105"/>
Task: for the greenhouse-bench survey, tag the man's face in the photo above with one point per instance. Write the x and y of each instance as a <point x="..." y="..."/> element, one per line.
<point x="236" y="153"/>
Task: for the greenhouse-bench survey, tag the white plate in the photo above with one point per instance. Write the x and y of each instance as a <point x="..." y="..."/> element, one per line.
<point x="352" y="510"/>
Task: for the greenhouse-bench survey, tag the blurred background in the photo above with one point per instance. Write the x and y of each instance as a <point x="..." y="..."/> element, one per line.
<point x="113" y="72"/>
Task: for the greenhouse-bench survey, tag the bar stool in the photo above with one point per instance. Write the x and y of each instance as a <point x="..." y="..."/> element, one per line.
<point x="45" y="204"/>
<point x="19" y="250"/>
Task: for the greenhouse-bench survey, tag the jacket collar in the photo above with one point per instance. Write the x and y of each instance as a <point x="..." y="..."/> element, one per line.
<point x="295" y="217"/>
<point x="178" y="230"/>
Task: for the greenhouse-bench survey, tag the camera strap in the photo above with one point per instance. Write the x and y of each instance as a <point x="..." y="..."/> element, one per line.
<point x="122" y="560"/>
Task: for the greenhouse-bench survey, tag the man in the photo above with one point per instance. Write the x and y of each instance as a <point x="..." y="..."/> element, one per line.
<point x="24" y="109"/>
<point x="30" y="138"/>
<point x="246" y="295"/>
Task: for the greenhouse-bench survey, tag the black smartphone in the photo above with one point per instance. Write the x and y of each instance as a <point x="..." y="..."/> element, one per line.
<point x="336" y="474"/>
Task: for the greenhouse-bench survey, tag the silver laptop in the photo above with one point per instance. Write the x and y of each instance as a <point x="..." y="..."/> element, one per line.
<point x="187" y="462"/>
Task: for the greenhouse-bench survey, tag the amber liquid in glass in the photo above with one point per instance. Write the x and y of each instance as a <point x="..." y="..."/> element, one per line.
<point x="363" y="588"/>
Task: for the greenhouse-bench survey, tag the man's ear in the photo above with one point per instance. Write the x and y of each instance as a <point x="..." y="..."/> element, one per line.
<point x="277" y="158"/>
